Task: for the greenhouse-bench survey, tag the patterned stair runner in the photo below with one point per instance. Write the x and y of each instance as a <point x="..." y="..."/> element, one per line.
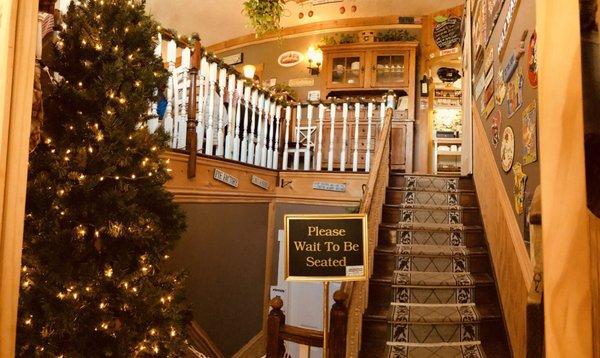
<point x="432" y="312"/>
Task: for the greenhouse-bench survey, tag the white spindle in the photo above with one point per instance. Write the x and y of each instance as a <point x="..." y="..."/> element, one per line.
<point x="202" y="98"/>
<point x="257" y="138"/>
<point x="211" y="108"/>
<point x="319" y="159"/>
<point x="331" y="136"/>
<point x="288" y="117"/>
<point x="158" y="48"/>
<point x="245" y="132"/>
<point x="263" y="142"/>
<point x="221" y="122"/>
<point x="255" y="111"/>
<point x="297" y="152"/>
<point x="230" y="118"/>
<point x="369" y="122"/>
<point x="308" y="153"/>
<point x="271" y="134"/>
<point x="171" y="56"/>
<point x="344" y="136"/>
<point x="238" y="117"/>
<point x="356" y="131"/>
<point x="182" y="117"/>
<point x="382" y="108"/>
<point x="275" y="162"/>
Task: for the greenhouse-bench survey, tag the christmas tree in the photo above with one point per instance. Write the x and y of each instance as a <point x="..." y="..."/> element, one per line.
<point x="99" y="223"/>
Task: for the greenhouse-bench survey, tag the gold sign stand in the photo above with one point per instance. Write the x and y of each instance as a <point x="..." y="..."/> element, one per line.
<point x="325" y="316"/>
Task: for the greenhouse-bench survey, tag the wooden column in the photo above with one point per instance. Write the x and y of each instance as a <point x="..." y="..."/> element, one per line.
<point x="18" y="25"/>
<point x="338" y="326"/>
<point x="191" y="143"/>
<point x="275" y="322"/>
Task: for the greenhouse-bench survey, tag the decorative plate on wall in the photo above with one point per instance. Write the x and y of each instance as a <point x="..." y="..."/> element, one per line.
<point x="507" y="151"/>
<point x="290" y="58"/>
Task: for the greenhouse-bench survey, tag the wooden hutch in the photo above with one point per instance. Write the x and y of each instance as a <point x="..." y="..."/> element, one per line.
<point x="370" y="70"/>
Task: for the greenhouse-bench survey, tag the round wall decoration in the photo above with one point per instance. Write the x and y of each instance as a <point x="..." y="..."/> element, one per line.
<point x="290" y="58"/>
<point x="507" y="151"/>
<point x="448" y="74"/>
<point x="532" y="61"/>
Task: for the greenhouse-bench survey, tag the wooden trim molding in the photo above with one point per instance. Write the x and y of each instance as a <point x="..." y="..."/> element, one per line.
<point x="202" y="342"/>
<point x="18" y="26"/>
<point x="565" y="219"/>
<point x="362" y="23"/>
<point x="512" y="268"/>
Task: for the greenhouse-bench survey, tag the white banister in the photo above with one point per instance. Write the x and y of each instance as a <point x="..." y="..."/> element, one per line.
<point x="211" y="108"/>
<point x="171" y="57"/>
<point x="230" y="117"/>
<point x="182" y="112"/>
<point x="255" y="111"/>
<point x="263" y="142"/>
<point x="288" y="117"/>
<point x="331" y="136"/>
<point x="158" y="47"/>
<point x="257" y="139"/>
<point x="356" y="132"/>
<point x="239" y="89"/>
<point x="275" y="162"/>
<point x="344" y="136"/>
<point x="269" y="163"/>
<point x="245" y="133"/>
<point x="221" y="122"/>
<point x="308" y="153"/>
<point x="319" y="159"/>
<point x="202" y="98"/>
<point x="382" y="108"/>
<point x="369" y="122"/>
<point x="297" y="152"/>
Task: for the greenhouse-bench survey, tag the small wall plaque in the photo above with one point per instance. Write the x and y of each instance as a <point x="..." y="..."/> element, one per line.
<point x="302" y="82"/>
<point x="260" y="182"/>
<point x="226" y="178"/>
<point x="337" y="187"/>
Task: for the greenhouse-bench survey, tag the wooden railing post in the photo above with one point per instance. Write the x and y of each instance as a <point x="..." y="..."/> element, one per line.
<point x="338" y="325"/>
<point x="192" y="139"/>
<point x="275" y="322"/>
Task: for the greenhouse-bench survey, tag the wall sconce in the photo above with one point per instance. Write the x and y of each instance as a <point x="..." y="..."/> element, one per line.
<point x="249" y="71"/>
<point x="315" y="60"/>
<point x="424" y="87"/>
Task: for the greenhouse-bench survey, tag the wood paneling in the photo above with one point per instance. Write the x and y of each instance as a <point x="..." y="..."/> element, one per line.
<point x="565" y="218"/>
<point x="512" y="269"/>
<point x="298" y="187"/>
<point x="18" y="25"/>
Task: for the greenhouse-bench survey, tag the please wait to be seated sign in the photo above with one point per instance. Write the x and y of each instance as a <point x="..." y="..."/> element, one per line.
<point x="326" y="247"/>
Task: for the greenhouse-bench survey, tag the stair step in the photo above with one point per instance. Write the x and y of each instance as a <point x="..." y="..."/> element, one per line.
<point x="392" y="233"/>
<point x="398" y="195"/>
<point x="427" y="350"/>
<point x="432" y="279"/>
<point x="414" y="313"/>
<point x="396" y="213"/>
<point x="426" y="258"/>
<point x="430" y="182"/>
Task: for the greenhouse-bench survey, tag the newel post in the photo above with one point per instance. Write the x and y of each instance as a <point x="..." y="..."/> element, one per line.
<point x="338" y="325"/>
<point x="192" y="140"/>
<point x="275" y="321"/>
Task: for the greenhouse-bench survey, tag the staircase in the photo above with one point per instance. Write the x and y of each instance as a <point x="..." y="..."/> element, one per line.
<point x="432" y="293"/>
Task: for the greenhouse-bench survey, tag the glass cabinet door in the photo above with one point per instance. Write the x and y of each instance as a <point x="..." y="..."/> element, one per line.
<point x="389" y="69"/>
<point x="346" y="70"/>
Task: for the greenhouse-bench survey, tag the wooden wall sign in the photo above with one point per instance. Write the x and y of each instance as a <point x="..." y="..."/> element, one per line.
<point x="507" y="26"/>
<point x="447" y="34"/>
<point x="290" y="58"/>
<point x="226" y="178"/>
<point x="326" y="247"/>
<point x="337" y="187"/>
<point x="301" y="82"/>
<point x="260" y="182"/>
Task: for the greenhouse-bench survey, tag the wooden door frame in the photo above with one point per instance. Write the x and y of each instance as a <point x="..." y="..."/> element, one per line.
<point x="18" y="26"/>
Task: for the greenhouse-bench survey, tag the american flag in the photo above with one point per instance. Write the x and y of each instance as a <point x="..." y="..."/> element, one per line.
<point x="47" y="23"/>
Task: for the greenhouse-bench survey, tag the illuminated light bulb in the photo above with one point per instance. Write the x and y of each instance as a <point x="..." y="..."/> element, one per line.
<point x="52" y="151"/>
<point x="83" y="42"/>
<point x="173" y="332"/>
<point x="117" y="177"/>
<point x="162" y="300"/>
<point x="170" y="298"/>
<point x="126" y="29"/>
<point x="155" y="349"/>
<point x="126" y="284"/>
<point x="99" y="137"/>
<point x="137" y="83"/>
<point x="168" y="161"/>
<point x="28" y="321"/>
<point x="169" y="170"/>
<point x="96" y="233"/>
<point x="122" y="100"/>
<point x="166" y="257"/>
<point x="108" y="111"/>
<point x="80" y="84"/>
<point x="102" y="305"/>
<point x="98" y="47"/>
<point x="144" y="269"/>
<point x="68" y="151"/>
<point x="62" y="213"/>
<point x="111" y="95"/>
<point x="75" y="295"/>
<point x="152" y="332"/>
<point x="153" y="149"/>
<point x="61" y="192"/>
<point x="108" y="272"/>
<point x="104" y="325"/>
<point x="26" y="283"/>
<point x="132" y="176"/>
<point x="101" y="178"/>
<point x="130" y="56"/>
<point x="24" y="269"/>
<point x="90" y="149"/>
<point x="149" y="174"/>
<point x="64" y="26"/>
<point x="81" y="177"/>
<point x="71" y="127"/>
<point x="134" y="289"/>
<point x="60" y="295"/>
<point x="48" y="140"/>
<point x="88" y="289"/>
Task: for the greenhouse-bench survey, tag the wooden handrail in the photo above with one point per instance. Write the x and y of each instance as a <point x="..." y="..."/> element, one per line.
<point x="191" y="138"/>
<point x="201" y="342"/>
<point x="371" y="204"/>
<point x="305" y="336"/>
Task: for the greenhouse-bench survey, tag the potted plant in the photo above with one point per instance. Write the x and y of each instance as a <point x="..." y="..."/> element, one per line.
<point x="264" y="15"/>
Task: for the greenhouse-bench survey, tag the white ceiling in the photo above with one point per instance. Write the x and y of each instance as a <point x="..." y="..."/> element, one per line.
<point x="220" y="20"/>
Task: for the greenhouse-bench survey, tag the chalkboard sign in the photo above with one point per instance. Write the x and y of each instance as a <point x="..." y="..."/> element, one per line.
<point x="447" y="34"/>
<point x="326" y="247"/>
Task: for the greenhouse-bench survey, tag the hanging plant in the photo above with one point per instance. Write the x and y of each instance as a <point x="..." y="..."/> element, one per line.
<point x="264" y="15"/>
